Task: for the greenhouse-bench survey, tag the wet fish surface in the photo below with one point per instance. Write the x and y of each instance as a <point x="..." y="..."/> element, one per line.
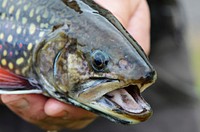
<point x="76" y="52"/>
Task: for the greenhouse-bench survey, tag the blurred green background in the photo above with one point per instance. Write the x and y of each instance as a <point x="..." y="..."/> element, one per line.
<point x="194" y="49"/>
<point x="192" y="13"/>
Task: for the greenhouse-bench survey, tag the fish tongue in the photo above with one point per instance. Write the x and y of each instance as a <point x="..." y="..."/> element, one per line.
<point x="128" y="99"/>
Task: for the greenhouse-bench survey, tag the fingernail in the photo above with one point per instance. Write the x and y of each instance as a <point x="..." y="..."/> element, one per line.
<point x="19" y="104"/>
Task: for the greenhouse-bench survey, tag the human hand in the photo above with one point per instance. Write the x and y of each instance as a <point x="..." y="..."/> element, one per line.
<point x="51" y="114"/>
<point x="48" y="113"/>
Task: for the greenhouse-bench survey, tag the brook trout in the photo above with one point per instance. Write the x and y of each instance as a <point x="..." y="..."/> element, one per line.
<point x="76" y="52"/>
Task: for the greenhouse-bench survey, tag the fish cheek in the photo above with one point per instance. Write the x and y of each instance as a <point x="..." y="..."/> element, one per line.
<point x="71" y="70"/>
<point x="45" y="57"/>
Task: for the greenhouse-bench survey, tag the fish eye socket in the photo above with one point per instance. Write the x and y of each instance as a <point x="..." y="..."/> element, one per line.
<point x="99" y="60"/>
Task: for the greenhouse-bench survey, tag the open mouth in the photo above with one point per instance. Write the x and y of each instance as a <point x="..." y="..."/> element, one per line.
<point x="126" y="105"/>
<point x="118" y="101"/>
<point x="128" y="100"/>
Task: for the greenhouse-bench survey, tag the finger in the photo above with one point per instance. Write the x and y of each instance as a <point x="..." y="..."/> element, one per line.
<point x="139" y="26"/>
<point x="134" y="16"/>
<point x="29" y="107"/>
<point x="123" y="10"/>
<point x="74" y="117"/>
<point x="56" y="108"/>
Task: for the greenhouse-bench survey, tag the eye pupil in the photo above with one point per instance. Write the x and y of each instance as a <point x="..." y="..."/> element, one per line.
<point x="99" y="60"/>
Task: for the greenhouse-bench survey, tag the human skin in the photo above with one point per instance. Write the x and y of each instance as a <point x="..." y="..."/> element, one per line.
<point x="51" y="114"/>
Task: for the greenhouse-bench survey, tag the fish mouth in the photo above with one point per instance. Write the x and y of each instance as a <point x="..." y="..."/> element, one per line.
<point x="128" y="99"/>
<point x="116" y="100"/>
<point x="126" y="105"/>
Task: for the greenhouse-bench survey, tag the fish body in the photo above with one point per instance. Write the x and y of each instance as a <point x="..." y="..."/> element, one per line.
<point x="74" y="51"/>
<point x="24" y="24"/>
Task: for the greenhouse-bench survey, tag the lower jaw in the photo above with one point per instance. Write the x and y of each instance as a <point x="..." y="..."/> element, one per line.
<point x="114" y="112"/>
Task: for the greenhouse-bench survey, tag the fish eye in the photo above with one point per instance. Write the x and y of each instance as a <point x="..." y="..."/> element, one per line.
<point x="99" y="60"/>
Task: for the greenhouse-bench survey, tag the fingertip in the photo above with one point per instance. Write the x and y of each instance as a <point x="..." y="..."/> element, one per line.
<point x="55" y="108"/>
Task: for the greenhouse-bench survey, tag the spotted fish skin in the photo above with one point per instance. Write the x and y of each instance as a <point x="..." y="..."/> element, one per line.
<point x="23" y="24"/>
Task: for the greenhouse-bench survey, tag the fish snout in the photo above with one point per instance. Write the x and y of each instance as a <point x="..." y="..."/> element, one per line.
<point x="137" y="71"/>
<point x="149" y="77"/>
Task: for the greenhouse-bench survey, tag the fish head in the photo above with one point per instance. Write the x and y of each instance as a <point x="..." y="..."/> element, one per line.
<point x="98" y="68"/>
<point x="107" y="76"/>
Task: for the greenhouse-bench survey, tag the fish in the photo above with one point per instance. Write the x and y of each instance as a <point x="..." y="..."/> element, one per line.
<point x="76" y="52"/>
